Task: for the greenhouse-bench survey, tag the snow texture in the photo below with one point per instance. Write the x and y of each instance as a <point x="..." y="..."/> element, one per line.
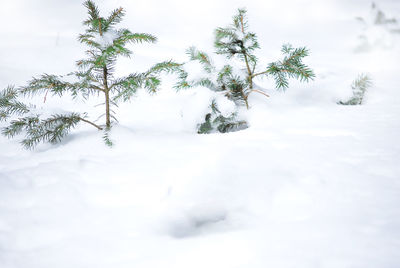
<point x="106" y="39"/>
<point x="310" y="184"/>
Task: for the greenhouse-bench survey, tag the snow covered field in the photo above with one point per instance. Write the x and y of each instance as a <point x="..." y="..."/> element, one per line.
<point x="310" y="184"/>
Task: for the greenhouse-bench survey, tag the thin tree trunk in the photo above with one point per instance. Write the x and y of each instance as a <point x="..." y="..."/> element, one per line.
<point x="107" y="95"/>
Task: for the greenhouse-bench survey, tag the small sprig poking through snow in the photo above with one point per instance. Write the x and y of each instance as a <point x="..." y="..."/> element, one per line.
<point x="106" y="138"/>
<point x="359" y="87"/>
<point x="237" y="44"/>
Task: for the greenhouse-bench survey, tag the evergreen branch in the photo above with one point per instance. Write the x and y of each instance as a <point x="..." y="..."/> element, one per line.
<point x="56" y="86"/>
<point x="238" y="90"/>
<point x="127" y="36"/>
<point x="223" y="76"/>
<point x="182" y="79"/>
<point x="52" y="129"/>
<point x="88" y="40"/>
<point x="132" y="80"/>
<point x="240" y="20"/>
<point x="115" y="17"/>
<point x="165" y="66"/>
<point x="228" y="34"/>
<point x="202" y="57"/>
<point x="278" y="73"/>
<point x="93" y="11"/>
<point x="206" y="82"/>
<point x="9" y="105"/>
<point x="151" y="83"/>
<point x="251" y="37"/>
<point x="127" y="86"/>
<point x="290" y="67"/>
<point x="86" y="79"/>
<point x="8" y="94"/>
<point x="17" y="126"/>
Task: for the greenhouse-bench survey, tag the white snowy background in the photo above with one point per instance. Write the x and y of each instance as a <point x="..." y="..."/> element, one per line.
<point x="311" y="184"/>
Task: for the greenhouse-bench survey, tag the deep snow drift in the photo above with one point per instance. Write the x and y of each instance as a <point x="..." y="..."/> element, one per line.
<point x="309" y="184"/>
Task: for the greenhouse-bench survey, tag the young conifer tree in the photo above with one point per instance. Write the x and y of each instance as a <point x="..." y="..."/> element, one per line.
<point x="237" y="43"/>
<point x="95" y="76"/>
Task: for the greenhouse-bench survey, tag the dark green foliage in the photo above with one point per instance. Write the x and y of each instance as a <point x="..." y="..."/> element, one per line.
<point x="359" y="87"/>
<point x="95" y="76"/>
<point x="106" y="138"/>
<point x="37" y="130"/>
<point x="9" y="105"/>
<point x="290" y="67"/>
<point x="237" y="83"/>
<point x="125" y="87"/>
<point x="223" y="124"/>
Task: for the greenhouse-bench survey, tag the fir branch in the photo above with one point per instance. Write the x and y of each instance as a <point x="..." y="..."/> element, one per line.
<point x="115" y="17"/>
<point x="126" y="86"/>
<point x="93" y="11"/>
<point x="151" y="83"/>
<point x="88" y="39"/>
<point x="127" y="36"/>
<point x="200" y="56"/>
<point x="278" y="73"/>
<point x="240" y="20"/>
<point x="55" y="85"/>
<point x="9" y="105"/>
<point x="52" y="129"/>
<point x="165" y="66"/>
<point x="17" y="126"/>
<point x="205" y="82"/>
<point x="290" y="67"/>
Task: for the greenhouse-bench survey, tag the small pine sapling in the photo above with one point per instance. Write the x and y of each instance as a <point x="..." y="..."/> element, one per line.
<point x="359" y="87"/>
<point x="95" y="76"/>
<point x="236" y="42"/>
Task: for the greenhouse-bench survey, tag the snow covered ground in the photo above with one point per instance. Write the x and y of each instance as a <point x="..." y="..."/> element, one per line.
<point x="310" y="184"/>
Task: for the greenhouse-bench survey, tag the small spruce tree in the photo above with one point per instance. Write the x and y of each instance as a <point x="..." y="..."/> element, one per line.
<point x="237" y="42"/>
<point x="95" y="76"/>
